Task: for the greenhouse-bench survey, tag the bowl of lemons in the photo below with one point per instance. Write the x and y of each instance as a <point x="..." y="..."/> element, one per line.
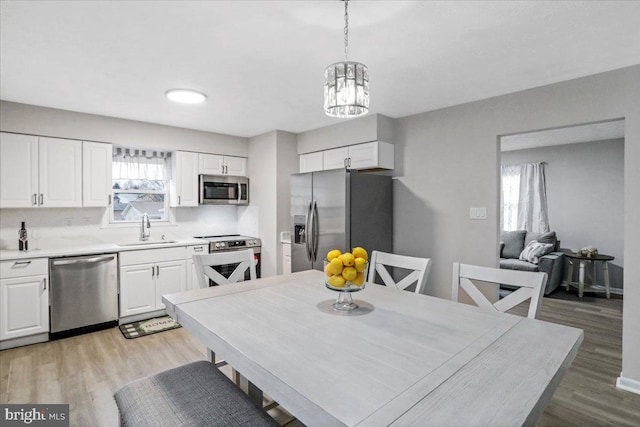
<point x="346" y="273"/>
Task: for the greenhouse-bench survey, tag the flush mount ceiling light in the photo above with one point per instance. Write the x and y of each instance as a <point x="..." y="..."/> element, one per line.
<point x="346" y="84"/>
<point x="186" y="96"/>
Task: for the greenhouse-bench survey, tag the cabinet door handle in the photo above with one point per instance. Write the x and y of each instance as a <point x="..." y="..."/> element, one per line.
<point x="25" y="263"/>
<point x="179" y="201"/>
<point x="157" y="271"/>
<point x="109" y="200"/>
<point x="198" y="249"/>
<point x="44" y="281"/>
<point x="349" y="161"/>
<point x="35" y="199"/>
<point x="153" y="271"/>
<point x="41" y="199"/>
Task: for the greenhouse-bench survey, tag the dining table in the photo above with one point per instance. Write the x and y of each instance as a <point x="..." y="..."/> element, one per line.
<point x="400" y="358"/>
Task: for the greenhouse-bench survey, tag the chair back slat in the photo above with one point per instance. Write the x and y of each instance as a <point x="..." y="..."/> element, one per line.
<point x="381" y="260"/>
<point x="204" y="267"/>
<point x="530" y="284"/>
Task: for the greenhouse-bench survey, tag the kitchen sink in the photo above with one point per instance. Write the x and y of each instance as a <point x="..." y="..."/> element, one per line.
<point x="147" y="242"/>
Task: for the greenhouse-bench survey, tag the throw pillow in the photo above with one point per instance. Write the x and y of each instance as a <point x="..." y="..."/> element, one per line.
<point x="534" y="250"/>
<point x="513" y="243"/>
<point x="548" y="237"/>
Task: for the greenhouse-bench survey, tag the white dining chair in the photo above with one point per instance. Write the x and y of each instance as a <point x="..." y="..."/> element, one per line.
<point x="530" y="286"/>
<point x="204" y="267"/>
<point x="381" y="260"/>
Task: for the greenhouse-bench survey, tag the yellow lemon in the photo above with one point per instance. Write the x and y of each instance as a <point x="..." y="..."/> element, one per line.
<point x="333" y="254"/>
<point x="359" y="252"/>
<point x="349" y="273"/>
<point x="327" y="269"/>
<point x="336" y="266"/>
<point x="358" y="280"/>
<point x="337" y="281"/>
<point x="360" y="264"/>
<point x="347" y="259"/>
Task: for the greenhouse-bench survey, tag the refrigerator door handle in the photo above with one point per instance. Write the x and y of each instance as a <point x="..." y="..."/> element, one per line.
<point x="306" y="232"/>
<point x="314" y="231"/>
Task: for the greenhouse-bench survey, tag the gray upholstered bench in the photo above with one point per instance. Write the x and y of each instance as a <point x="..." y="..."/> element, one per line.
<point x="196" y="394"/>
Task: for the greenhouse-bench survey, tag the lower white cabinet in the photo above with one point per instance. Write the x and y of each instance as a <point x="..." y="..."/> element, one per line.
<point x="146" y="275"/>
<point x="24" y="298"/>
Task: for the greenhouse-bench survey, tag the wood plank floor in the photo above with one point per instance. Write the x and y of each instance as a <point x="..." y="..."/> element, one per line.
<point x="85" y="371"/>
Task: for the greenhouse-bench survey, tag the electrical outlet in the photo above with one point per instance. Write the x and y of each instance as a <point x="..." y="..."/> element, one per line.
<point x="86" y="220"/>
<point x="477" y="213"/>
<point x="68" y="221"/>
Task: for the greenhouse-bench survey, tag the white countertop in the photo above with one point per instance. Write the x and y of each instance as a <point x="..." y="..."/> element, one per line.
<point x="94" y="248"/>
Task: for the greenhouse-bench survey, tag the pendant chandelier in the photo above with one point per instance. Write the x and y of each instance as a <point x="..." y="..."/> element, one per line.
<point x="346" y="84"/>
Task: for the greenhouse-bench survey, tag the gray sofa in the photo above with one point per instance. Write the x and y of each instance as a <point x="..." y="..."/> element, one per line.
<point x="512" y="243"/>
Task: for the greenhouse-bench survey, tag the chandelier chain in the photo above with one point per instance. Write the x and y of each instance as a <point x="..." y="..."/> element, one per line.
<point x="346" y="29"/>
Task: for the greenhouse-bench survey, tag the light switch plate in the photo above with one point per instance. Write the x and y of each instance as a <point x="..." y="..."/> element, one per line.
<point x="477" y="213"/>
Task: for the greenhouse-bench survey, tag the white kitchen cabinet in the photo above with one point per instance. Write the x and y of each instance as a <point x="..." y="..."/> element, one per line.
<point x="335" y="158"/>
<point x="38" y="171"/>
<point x="170" y="278"/>
<point x="214" y="164"/>
<point x="370" y="155"/>
<point x="18" y="170"/>
<point x="96" y="174"/>
<point x="184" y="179"/>
<point x="311" y="162"/>
<point x="146" y="275"/>
<point x="24" y="298"/>
<point x="286" y="258"/>
<point x="59" y="172"/>
<point x="137" y="289"/>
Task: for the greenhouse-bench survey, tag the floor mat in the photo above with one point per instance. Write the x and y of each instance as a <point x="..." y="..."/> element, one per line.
<point x="148" y="327"/>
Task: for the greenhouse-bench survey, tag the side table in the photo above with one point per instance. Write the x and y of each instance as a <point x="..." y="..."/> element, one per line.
<point x="592" y="287"/>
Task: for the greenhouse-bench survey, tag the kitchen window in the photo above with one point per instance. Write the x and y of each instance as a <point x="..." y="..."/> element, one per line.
<point x="139" y="185"/>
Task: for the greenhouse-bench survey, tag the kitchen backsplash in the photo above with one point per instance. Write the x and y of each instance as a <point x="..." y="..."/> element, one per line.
<point x="59" y="227"/>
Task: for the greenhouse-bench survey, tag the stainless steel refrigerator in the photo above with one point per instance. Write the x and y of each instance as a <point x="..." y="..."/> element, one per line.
<point x="338" y="209"/>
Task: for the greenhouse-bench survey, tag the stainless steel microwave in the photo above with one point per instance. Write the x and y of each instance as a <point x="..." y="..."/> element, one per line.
<point x="224" y="190"/>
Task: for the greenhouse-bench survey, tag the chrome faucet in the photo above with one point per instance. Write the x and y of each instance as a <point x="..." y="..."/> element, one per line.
<point x="145" y="235"/>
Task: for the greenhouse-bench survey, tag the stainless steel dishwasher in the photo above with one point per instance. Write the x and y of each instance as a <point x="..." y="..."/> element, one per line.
<point x="83" y="293"/>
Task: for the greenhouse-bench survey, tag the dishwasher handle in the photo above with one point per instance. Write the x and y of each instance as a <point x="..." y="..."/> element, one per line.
<point x="84" y="260"/>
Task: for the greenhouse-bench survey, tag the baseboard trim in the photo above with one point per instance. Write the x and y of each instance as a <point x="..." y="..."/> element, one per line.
<point x="628" y="384"/>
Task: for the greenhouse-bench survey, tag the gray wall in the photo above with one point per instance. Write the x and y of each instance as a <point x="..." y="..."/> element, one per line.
<point x="447" y="161"/>
<point x="585" y="194"/>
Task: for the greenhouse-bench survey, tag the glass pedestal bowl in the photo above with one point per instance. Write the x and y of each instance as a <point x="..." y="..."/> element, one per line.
<point x="345" y="287"/>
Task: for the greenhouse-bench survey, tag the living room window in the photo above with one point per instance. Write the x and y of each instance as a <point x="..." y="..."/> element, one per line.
<point x="524" y="198"/>
<point x="139" y="185"/>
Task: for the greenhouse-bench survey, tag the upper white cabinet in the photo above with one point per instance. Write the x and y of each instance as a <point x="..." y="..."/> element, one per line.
<point x="370" y="155"/>
<point x="336" y="158"/>
<point x="311" y="162"/>
<point x="184" y="179"/>
<point x="38" y="171"/>
<point x="214" y="164"/>
<point x="96" y="174"/>
<point x="18" y="170"/>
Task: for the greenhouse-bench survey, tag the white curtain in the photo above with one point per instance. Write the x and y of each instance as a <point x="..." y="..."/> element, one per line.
<point x="137" y="164"/>
<point x="524" y="198"/>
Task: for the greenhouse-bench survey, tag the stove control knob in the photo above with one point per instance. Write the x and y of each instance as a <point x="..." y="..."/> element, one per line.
<point x="217" y="245"/>
<point x="255" y="242"/>
<point x="223" y="244"/>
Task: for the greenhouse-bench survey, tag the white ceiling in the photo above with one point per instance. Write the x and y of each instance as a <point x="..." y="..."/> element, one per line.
<point x="261" y="62"/>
